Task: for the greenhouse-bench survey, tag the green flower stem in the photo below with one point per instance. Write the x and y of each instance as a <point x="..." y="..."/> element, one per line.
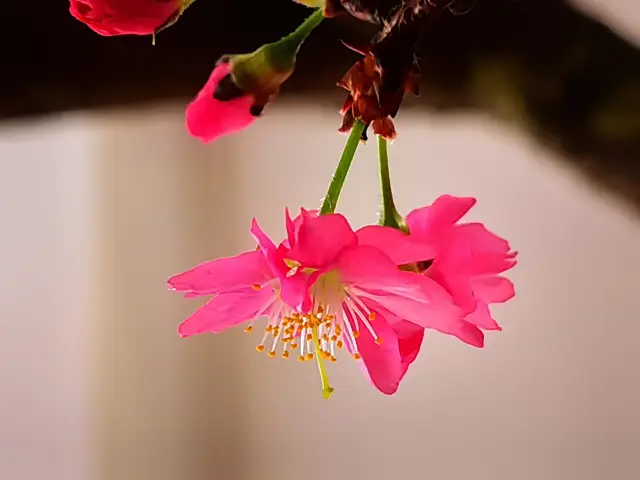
<point x="329" y="206"/>
<point x="389" y="216"/>
<point x="184" y="4"/>
<point x="292" y="42"/>
<point x="335" y="187"/>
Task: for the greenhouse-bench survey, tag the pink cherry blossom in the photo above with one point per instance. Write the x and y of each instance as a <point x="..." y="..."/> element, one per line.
<point x="209" y="118"/>
<point x="250" y="285"/>
<point x="320" y="291"/>
<point x="468" y="258"/>
<point x="359" y="297"/>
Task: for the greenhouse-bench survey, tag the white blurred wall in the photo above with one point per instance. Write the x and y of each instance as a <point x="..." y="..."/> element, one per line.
<point x="47" y="267"/>
<point x="98" y="210"/>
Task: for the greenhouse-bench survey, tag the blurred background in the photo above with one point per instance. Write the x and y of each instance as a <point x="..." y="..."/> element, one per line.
<point x="103" y="196"/>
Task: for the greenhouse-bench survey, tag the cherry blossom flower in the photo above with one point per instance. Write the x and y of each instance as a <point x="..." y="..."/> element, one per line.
<point x="468" y="260"/>
<point x="321" y="290"/>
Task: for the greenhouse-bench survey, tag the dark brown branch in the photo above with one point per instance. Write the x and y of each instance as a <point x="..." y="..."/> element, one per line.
<point x="565" y="78"/>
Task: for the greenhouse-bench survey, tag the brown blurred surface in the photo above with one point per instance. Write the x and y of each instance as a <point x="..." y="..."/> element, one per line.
<point x="542" y="65"/>
<point x="52" y="62"/>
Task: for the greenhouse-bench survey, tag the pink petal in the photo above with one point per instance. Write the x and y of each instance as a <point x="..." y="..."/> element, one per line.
<point x="294" y="291"/>
<point x="474" y="249"/>
<point x="292" y="230"/>
<point x="470" y="251"/>
<point x="482" y="250"/>
<point x="428" y="223"/>
<point x="481" y="317"/>
<point x="467" y="332"/>
<point x="369" y="273"/>
<point x="269" y="250"/>
<point x="489" y="263"/>
<point x="398" y="246"/>
<point x="410" y="337"/>
<point x="227" y="310"/>
<point x="481" y="239"/>
<point x="223" y="275"/>
<point x="321" y="238"/>
<point x="368" y="268"/>
<point x="457" y="284"/>
<point x="382" y="364"/>
<point x="440" y="319"/>
<point x="293" y="225"/>
<point x="493" y="289"/>
<point x="293" y="287"/>
<point x="305" y="213"/>
<point x="208" y="118"/>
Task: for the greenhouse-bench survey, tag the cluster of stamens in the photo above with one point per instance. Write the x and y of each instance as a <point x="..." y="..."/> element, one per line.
<point x="320" y="332"/>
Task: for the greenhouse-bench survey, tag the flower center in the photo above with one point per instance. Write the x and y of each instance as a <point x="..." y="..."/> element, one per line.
<point x="336" y="320"/>
<point x="417" y="267"/>
<point x="341" y="315"/>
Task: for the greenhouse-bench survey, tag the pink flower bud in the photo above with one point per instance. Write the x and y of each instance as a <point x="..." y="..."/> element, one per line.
<point x="220" y="108"/>
<point x="124" y="17"/>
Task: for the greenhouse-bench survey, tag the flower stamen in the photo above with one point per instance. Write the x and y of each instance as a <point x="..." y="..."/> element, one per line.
<point x="350" y="338"/>
<point x="335" y="319"/>
<point x="356" y="307"/>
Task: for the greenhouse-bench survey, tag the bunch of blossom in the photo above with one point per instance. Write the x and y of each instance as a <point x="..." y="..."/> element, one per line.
<point x="327" y="287"/>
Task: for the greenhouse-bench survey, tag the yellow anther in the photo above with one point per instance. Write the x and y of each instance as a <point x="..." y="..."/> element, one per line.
<point x="256" y="286"/>
<point x="378" y="341"/>
<point x="294" y="345"/>
<point x="271" y="354"/>
<point x="285" y="354"/>
<point x="309" y="336"/>
<point x="309" y="356"/>
<point x="260" y="348"/>
<point x="333" y="359"/>
<point x="339" y="344"/>
<point x="334" y="338"/>
<point x="356" y="334"/>
<point x="291" y="263"/>
<point x="372" y="316"/>
<point x="357" y="356"/>
<point x="269" y="328"/>
<point x="301" y="358"/>
<point x="248" y="329"/>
